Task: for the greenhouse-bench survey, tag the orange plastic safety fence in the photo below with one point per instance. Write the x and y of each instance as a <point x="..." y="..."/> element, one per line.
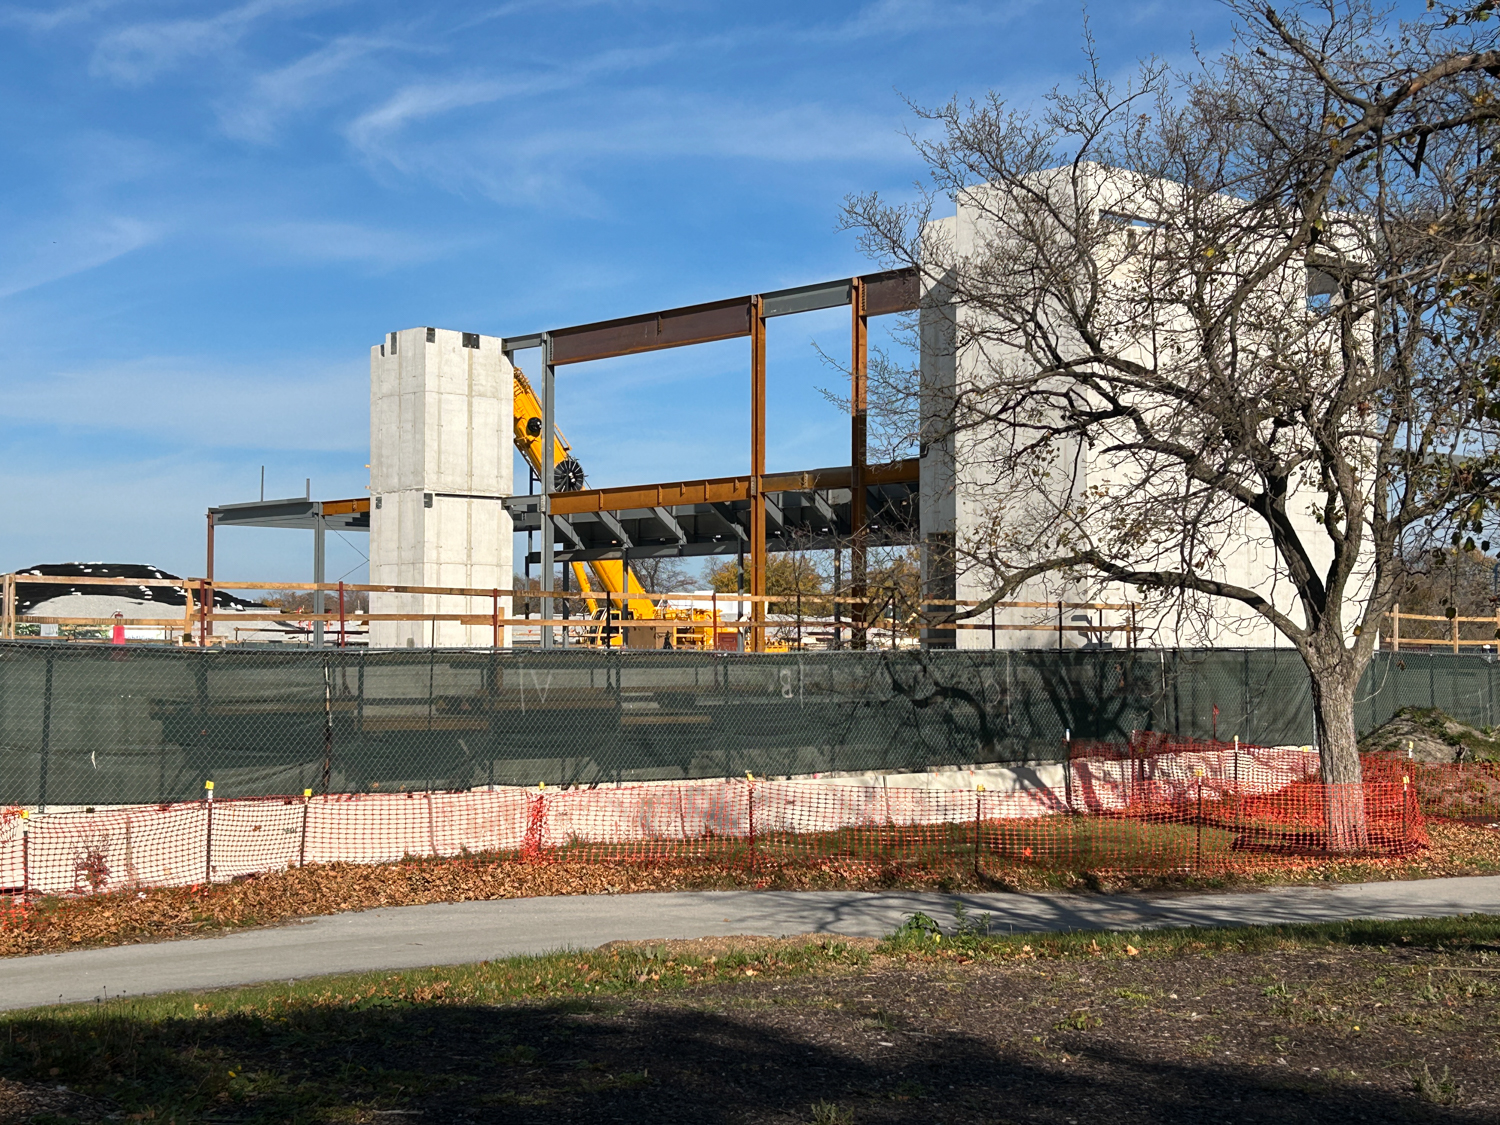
<point x="1152" y="808"/>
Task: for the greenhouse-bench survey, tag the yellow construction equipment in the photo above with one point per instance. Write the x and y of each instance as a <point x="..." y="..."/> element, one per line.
<point x="690" y="628"/>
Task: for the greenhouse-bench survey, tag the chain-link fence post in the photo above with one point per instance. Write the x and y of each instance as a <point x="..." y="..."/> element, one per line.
<point x="46" y="735"/>
<point x="327" y="722"/>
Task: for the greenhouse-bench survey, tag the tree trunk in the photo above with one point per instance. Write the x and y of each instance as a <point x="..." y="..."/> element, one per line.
<point x="1333" y="685"/>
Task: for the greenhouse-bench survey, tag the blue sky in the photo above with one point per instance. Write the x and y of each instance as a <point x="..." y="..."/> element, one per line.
<point x="211" y="211"/>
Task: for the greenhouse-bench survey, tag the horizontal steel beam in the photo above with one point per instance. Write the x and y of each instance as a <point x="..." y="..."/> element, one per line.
<point x="345" y="515"/>
<point x="345" y="507"/>
<point x="889" y="292"/>
<point x="878" y="537"/>
<point x="522" y="343"/>
<point x="715" y="490"/>
<point x="672" y="328"/>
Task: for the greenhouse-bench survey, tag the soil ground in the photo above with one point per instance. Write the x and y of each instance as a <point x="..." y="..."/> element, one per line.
<point x="1359" y="1022"/>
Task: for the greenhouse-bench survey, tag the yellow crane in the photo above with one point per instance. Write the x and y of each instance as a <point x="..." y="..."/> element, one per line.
<point x="612" y="575"/>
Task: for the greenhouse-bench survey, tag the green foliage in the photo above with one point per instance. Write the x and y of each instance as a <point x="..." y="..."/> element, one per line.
<point x="828" y="1113"/>
<point x="917" y="930"/>
<point x="1440" y="1090"/>
<point x="1470" y="932"/>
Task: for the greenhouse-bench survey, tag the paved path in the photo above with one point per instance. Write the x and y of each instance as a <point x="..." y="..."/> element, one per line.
<point x="453" y="933"/>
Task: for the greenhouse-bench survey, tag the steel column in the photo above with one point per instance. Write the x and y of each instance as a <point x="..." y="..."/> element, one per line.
<point x="757" y="470"/>
<point x="205" y="627"/>
<point x="859" y="360"/>
<point x="544" y="503"/>
<point x="320" y="535"/>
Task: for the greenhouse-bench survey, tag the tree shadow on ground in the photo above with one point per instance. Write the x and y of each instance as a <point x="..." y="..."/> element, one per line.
<point x="658" y="1061"/>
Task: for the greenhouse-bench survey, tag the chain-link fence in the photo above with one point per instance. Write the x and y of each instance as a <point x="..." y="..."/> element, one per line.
<point x="109" y="725"/>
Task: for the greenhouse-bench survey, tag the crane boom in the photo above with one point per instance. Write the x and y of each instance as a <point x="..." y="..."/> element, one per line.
<point x="612" y="575"/>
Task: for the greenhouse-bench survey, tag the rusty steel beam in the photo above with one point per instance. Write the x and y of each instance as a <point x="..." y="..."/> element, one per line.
<point x="907" y="471"/>
<point x="630" y="497"/>
<point x="894" y="291"/>
<point x="672" y="328"/>
<point x="758" y="467"/>
<point x="859" y="361"/>
<point x="720" y="490"/>
<point x="890" y="292"/>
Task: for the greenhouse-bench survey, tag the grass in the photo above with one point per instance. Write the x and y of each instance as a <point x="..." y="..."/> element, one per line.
<point x="968" y="938"/>
<point x="303" y="1050"/>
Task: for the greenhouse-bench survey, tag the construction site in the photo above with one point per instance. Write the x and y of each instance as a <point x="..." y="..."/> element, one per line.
<point x="160" y="729"/>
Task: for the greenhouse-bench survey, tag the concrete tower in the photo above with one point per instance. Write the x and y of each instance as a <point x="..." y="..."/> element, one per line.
<point x="441" y="457"/>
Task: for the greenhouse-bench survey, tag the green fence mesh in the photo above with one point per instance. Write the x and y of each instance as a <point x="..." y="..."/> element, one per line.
<point x="105" y="725"/>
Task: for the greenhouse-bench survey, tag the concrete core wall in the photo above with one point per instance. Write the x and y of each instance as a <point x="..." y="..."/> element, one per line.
<point x="441" y="457"/>
<point x="973" y="486"/>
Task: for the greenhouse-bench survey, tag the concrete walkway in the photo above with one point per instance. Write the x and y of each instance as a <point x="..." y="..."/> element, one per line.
<point x="454" y="933"/>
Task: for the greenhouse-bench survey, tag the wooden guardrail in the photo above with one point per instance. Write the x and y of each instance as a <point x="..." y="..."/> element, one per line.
<point x="1452" y="640"/>
<point x="196" y="623"/>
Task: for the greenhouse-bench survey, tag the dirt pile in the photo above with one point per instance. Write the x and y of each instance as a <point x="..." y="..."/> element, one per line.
<point x="1431" y="736"/>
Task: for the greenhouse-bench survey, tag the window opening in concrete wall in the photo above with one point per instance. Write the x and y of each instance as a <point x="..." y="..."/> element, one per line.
<point x="1321" y="289"/>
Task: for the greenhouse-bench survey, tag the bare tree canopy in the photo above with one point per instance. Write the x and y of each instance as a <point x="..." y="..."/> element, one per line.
<point x="1244" y="306"/>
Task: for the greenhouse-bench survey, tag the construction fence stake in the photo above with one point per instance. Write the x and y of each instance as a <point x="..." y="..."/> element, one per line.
<point x="302" y="847"/>
<point x="978" y="817"/>
<point x="25" y="855"/>
<point x="1068" y="768"/>
<point x="750" y="806"/>
<point x="431" y="829"/>
<point x="1198" y="849"/>
<point x="208" y="844"/>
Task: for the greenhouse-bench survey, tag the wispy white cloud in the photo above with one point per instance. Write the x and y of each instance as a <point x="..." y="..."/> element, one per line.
<point x="421" y="101"/>
<point x="232" y="406"/>
<point x="900" y="18"/>
<point x="424" y="100"/>
<point x="138" y="53"/>
<point x="64" y="248"/>
<point x="332" y="241"/>
<point x="50" y="19"/>
<point x="794" y="133"/>
<point x="149" y="509"/>
<point x="557" y="160"/>
<point x="254" y="114"/>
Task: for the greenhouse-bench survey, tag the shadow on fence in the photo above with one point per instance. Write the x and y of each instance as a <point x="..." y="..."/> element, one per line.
<point x="114" y="725"/>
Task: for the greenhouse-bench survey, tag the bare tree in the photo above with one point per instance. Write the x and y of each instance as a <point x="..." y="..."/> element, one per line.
<point x="663" y="575"/>
<point x="1247" y="306"/>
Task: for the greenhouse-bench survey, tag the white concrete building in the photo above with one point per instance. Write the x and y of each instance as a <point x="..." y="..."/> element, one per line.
<point x="441" y="459"/>
<point x="965" y="476"/>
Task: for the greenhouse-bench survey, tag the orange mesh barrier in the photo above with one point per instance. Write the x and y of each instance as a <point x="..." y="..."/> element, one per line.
<point x="1456" y="791"/>
<point x="1148" y="808"/>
